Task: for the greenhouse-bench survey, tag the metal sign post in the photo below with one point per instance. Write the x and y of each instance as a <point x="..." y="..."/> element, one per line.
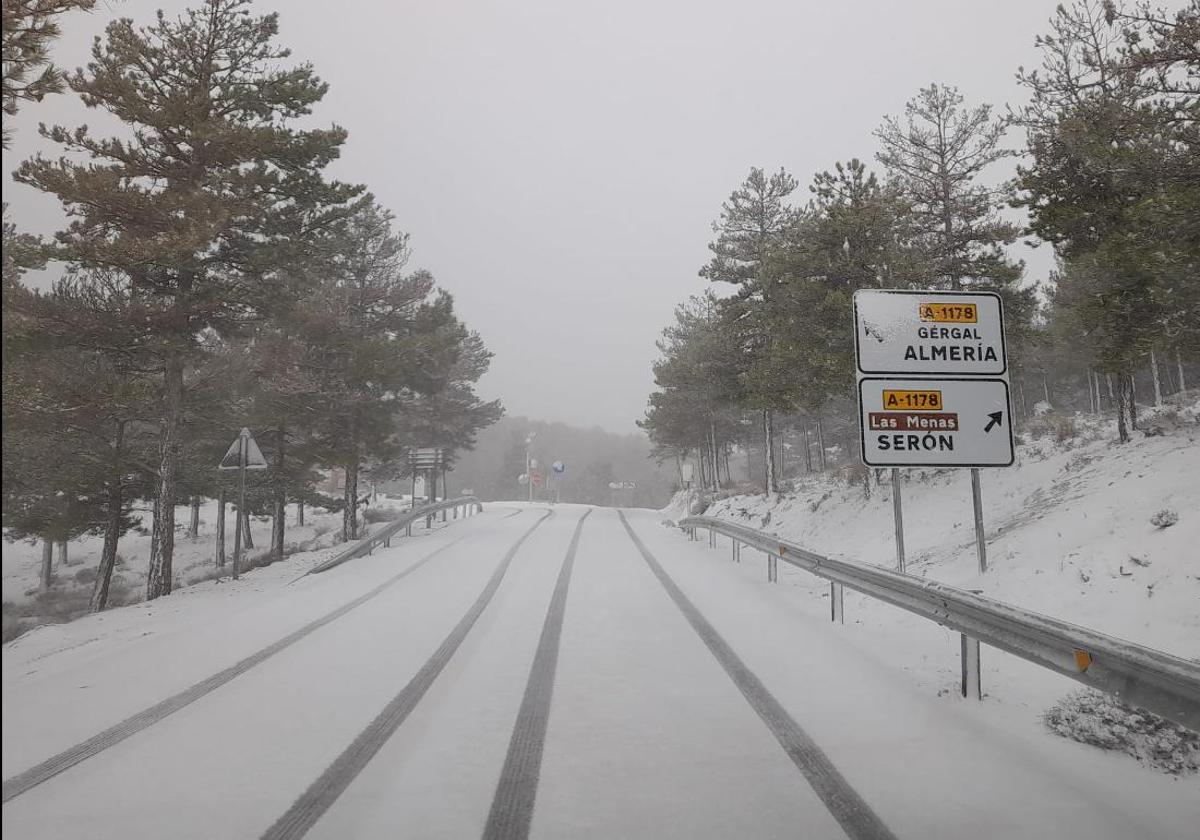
<point x="243" y="454"/>
<point x="898" y="515"/>
<point x="977" y="503"/>
<point x="557" y="469"/>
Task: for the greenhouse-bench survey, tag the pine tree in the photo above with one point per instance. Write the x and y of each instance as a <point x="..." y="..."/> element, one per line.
<point x="1113" y="184"/>
<point x="937" y="156"/>
<point x="30" y="27"/>
<point x="753" y="224"/>
<point x="74" y="417"/>
<point x="188" y="206"/>
<point x="376" y="338"/>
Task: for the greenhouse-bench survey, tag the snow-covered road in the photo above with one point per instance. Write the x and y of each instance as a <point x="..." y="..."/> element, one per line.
<point x="531" y="672"/>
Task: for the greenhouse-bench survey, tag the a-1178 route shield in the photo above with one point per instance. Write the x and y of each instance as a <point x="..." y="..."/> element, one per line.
<point x="952" y="422"/>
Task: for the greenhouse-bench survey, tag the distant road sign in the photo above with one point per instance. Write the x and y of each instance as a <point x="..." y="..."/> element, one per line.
<point x="900" y="331"/>
<point x="254" y="456"/>
<point x="536" y="478"/>
<point x="685" y="471"/>
<point x="558" y="467"/>
<point x="425" y="458"/>
<point x="951" y="422"/>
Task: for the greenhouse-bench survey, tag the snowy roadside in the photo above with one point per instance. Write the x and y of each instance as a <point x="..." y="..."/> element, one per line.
<point x="26" y="605"/>
<point x="1071" y="533"/>
<point x="210" y="602"/>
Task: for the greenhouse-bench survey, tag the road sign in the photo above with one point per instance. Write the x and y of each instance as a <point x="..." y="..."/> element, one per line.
<point x="685" y="471"/>
<point x="558" y="467"/>
<point x="254" y="456"/>
<point x="949" y="422"/>
<point x="522" y="479"/>
<point x="425" y="458"/>
<point x="899" y="331"/>
<point x="536" y="478"/>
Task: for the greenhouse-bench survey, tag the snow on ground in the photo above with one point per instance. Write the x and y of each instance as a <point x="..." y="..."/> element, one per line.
<point x="647" y="735"/>
<point x="1069" y="534"/>
<point x="20" y="561"/>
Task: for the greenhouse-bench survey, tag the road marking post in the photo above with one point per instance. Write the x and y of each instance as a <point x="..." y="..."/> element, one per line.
<point x="971" y="682"/>
<point x="837" y="611"/>
<point x="898" y="516"/>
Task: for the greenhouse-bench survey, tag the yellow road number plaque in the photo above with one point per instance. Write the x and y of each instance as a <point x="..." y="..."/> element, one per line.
<point x="949" y="313"/>
<point x="912" y="400"/>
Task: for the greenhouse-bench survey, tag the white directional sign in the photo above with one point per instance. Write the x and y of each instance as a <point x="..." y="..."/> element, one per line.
<point x="951" y="422"/>
<point x="933" y="333"/>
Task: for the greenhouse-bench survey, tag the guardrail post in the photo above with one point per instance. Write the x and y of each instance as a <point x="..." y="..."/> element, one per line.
<point x="733" y="549"/>
<point x="387" y="543"/>
<point x="971" y="683"/>
<point x="837" y="612"/>
<point x="712" y="538"/>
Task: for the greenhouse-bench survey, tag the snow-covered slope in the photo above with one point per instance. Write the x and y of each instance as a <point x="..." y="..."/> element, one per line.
<point x="1069" y="528"/>
<point x="1073" y="530"/>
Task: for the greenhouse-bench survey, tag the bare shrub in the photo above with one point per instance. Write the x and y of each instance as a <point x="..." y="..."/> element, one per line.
<point x="1053" y="424"/>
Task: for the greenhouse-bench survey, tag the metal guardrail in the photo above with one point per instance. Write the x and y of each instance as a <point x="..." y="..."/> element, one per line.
<point x="404" y="522"/>
<point x="1159" y="682"/>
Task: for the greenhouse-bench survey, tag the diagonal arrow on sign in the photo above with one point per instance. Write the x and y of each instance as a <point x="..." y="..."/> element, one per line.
<point x="993" y="420"/>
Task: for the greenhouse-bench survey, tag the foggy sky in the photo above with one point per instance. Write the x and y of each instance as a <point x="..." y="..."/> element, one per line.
<point x="559" y="163"/>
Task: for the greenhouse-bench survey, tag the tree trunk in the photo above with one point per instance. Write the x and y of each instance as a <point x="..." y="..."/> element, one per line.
<point x="1046" y="389"/>
<point x="247" y="538"/>
<point x="300" y="514"/>
<point x="772" y="481"/>
<point x="1122" y="406"/>
<point x="1179" y="365"/>
<point x="220" y="551"/>
<point x="716" y="457"/>
<point x="279" y="517"/>
<point x="1132" y="404"/>
<point x="350" y="496"/>
<point x="62" y="554"/>
<point x="112" y="528"/>
<point x="1158" y="399"/>
<point x="821" y="444"/>
<point x="194" y="525"/>
<point x="47" y="562"/>
<point x="162" y="548"/>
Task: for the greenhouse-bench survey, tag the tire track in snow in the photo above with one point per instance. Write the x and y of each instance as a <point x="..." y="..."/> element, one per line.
<point x="512" y="806"/>
<point x="68" y="758"/>
<point x="847" y="807"/>
<point x="322" y="793"/>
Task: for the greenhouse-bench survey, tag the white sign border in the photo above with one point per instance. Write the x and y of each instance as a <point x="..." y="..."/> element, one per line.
<point x="1003" y="373"/>
<point x="862" y="436"/>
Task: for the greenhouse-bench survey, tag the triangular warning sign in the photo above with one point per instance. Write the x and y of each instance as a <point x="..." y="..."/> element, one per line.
<point x="254" y="456"/>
